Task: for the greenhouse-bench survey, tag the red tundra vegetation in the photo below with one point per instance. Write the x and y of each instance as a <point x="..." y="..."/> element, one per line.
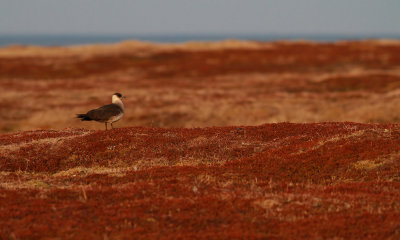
<point x="201" y="84"/>
<point x="199" y="153"/>
<point x="286" y="180"/>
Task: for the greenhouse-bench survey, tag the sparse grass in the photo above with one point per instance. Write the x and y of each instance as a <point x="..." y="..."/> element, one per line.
<point x="367" y="165"/>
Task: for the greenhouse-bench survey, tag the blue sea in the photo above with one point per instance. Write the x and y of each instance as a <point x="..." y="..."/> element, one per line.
<point x="75" y="39"/>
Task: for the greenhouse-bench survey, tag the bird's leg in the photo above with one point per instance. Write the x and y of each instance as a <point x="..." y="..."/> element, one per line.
<point x="112" y="126"/>
<point x="106" y="125"/>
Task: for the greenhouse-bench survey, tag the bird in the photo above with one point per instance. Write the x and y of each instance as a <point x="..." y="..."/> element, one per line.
<point x="108" y="113"/>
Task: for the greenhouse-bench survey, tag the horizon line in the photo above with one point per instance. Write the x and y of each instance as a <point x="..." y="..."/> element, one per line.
<point x="196" y="34"/>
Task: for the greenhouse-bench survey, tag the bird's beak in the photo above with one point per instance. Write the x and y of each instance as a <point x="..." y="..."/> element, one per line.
<point x="123" y="97"/>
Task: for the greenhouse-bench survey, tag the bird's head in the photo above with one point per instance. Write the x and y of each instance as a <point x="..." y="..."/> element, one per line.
<point x="118" y="95"/>
<point x="117" y="98"/>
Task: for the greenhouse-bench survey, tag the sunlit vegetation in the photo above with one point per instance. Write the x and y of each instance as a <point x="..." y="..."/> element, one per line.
<point x="282" y="180"/>
<point x="201" y="84"/>
<point x="228" y="140"/>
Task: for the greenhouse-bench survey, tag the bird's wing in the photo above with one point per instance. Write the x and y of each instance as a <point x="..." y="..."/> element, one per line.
<point x="105" y="112"/>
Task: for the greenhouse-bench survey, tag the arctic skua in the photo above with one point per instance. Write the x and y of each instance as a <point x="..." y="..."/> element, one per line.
<point x="108" y="113"/>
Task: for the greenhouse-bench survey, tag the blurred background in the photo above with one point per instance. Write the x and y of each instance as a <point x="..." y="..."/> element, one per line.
<point x="46" y="22"/>
<point x="195" y="64"/>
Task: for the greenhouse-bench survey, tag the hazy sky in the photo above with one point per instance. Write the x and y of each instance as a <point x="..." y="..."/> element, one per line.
<point x="200" y="16"/>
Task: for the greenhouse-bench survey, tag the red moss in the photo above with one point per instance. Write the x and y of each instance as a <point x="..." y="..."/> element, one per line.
<point x="30" y="136"/>
<point x="271" y="181"/>
<point x="294" y="57"/>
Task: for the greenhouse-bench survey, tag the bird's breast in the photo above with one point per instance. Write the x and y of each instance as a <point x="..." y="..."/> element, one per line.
<point x="116" y="117"/>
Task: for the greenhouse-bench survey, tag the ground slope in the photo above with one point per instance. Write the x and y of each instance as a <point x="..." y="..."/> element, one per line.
<point x="281" y="180"/>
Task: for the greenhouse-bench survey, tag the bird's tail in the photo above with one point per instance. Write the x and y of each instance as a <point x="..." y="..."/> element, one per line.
<point x="83" y="117"/>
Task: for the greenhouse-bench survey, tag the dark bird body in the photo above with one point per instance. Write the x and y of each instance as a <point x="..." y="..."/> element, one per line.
<point x="108" y="113"/>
